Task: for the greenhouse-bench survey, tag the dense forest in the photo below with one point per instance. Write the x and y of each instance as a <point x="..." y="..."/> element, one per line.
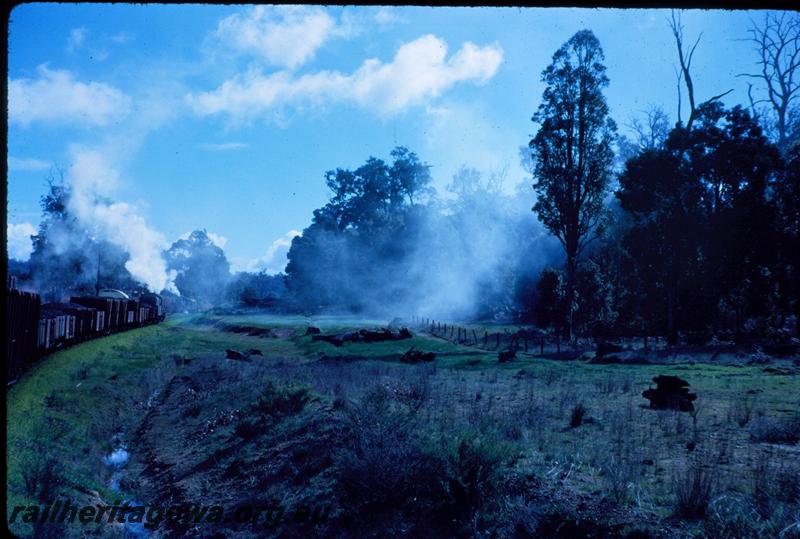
<point x="689" y="230"/>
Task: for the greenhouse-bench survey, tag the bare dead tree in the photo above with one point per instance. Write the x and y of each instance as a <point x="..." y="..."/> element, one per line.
<point x="679" y="78"/>
<point x="652" y="130"/>
<point x="685" y="61"/>
<point x="777" y="42"/>
<point x="753" y="102"/>
<point x="497" y="178"/>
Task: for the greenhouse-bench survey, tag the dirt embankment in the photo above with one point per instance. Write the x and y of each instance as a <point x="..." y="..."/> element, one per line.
<point x="221" y="434"/>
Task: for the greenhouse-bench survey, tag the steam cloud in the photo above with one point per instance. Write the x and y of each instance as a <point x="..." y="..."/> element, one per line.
<point x="19" y="240"/>
<point x="274" y="260"/>
<point x="471" y="257"/>
<point x="468" y="256"/>
<point x="92" y="179"/>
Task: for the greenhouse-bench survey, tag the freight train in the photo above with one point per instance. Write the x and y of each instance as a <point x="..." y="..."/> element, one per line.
<point x="36" y="329"/>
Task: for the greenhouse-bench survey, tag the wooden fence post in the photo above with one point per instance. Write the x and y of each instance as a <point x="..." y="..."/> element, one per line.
<point x="485" y="338"/>
<point x="475" y="336"/>
<point x="497" y="338"/>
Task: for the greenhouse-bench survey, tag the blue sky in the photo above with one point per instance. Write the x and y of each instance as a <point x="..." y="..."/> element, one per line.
<point x="227" y="117"/>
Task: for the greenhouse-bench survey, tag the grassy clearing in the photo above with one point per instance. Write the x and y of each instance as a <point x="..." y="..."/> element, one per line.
<point x="559" y="441"/>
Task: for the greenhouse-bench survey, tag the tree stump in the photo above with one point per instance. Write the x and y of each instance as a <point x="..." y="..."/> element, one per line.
<point x="671" y="393"/>
<point x="506" y="355"/>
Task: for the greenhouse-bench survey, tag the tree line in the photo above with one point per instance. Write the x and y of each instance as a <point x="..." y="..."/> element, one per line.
<point x="699" y="237"/>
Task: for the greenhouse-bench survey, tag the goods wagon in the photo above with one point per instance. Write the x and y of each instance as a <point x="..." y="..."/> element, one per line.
<point x="36" y="329"/>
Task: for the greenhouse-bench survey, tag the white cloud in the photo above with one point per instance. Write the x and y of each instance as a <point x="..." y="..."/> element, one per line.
<point x="646" y="22"/>
<point x="77" y="36"/>
<point x="286" y="36"/>
<point x="20" y="245"/>
<point x="55" y="96"/>
<point x="274" y="260"/>
<point x="27" y="164"/>
<point x="420" y="71"/>
<point x="386" y="16"/>
<point x="224" y="146"/>
<point x="121" y="38"/>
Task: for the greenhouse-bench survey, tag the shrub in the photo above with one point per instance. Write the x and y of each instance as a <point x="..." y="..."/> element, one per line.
<point x="693" y="489"/>
<point x="776" y="431"/>
<point x="390" y="464"/>
<point x="576" y="416"/>
<point x="381" y="464"/>
<point x="743" y="411"/>
<point x="619" y="471"/>
<point x="83" y="374"/>
<point x="54" y="400"/>
<point x="339" y="397"/>
<point x="413" y="392"/>
<point x="775" y="485"/>
<point x="283" y="401"/>
<point x="473" y="467"/>
<point x="521" y="517"/>
<point x="733" y="515"/>
<point x="512" y="431"/>
<point x="560" y="522"/>
<point x="42" y="474"/>
<point x="248" y="428"/>
<point x="787" y="485"/>
<point x="192" y="411"/>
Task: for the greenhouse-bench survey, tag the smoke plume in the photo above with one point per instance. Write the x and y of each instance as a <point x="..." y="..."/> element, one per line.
<point x="92" y="179"/>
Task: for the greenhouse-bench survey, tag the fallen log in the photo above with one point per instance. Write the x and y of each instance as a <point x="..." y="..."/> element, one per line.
<point x="365" y="336"/>
<point x="233" y="354"/>
<point x="417" y="356"/>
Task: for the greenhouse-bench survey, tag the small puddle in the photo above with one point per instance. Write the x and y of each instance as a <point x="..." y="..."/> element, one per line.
<point x="118" y="458"/>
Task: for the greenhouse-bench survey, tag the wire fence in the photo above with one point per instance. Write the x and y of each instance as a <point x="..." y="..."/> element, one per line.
<point x="528" y="340"/>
